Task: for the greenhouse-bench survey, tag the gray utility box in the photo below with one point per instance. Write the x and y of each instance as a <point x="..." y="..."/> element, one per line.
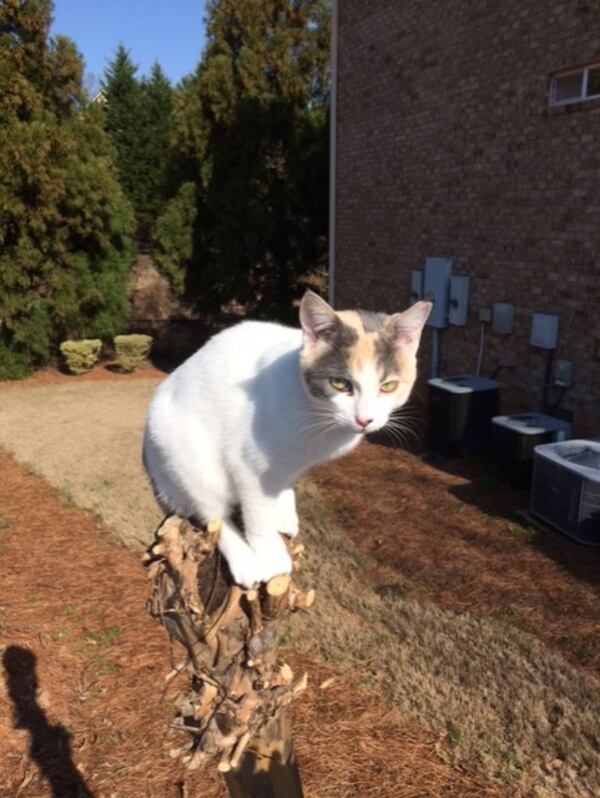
<point x="565" y="490"/>
<point x="514" y="439"/>
<point x="460" y="413"/>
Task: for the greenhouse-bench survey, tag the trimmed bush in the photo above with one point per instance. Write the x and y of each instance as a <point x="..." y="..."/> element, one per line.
<point x="80" y="356"/>
<point x="132" y="350"/>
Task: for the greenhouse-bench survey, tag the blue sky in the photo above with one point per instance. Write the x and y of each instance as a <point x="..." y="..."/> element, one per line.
<point x="171" y="31"/>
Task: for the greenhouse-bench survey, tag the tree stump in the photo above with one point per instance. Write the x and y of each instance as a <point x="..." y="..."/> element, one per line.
<point x="238" y="688"/>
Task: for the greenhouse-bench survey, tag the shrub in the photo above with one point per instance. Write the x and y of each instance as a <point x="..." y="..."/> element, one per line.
<point x="13" y="365"/>
<point x="173" y="237"/>
<point x="80" y="356"/>
<point x="131" y="350"/>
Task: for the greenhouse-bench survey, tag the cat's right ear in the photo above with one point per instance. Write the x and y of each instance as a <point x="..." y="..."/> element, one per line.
<point x="318" y="319"/>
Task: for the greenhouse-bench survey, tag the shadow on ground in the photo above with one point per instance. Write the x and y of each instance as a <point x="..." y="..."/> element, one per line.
<point x="49" y="745"/>
<point x="489" y="494"/>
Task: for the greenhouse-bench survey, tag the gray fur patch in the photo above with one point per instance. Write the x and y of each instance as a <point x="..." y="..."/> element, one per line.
<point x="385" y="347"/>
<point x="372" y="322"/>
<point x="333" y="363"/>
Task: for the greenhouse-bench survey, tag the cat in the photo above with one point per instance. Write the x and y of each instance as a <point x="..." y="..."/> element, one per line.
<point x="243" y="418"/>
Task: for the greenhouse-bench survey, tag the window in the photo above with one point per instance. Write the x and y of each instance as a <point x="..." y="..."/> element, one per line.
<point x="575" y="86"/>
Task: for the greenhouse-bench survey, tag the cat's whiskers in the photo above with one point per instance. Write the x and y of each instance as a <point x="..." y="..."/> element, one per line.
<point x="318" y="429"/>
<point x="316" y="420"/>
<point x="402" y="432"/>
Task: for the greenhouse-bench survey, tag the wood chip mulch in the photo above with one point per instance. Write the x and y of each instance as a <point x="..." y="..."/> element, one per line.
<point x="83" y="667"/>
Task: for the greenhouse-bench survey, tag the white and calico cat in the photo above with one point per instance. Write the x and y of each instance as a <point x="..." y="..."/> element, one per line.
<point x="239" y="422"/>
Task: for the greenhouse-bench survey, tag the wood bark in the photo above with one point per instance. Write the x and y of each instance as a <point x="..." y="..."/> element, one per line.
<point x="234" y="707"/>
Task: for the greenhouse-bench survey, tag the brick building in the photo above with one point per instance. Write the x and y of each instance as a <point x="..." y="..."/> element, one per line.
<point x="470" y="129"/>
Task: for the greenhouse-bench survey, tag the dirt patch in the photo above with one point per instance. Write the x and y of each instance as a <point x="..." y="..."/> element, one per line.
<point x="152" y="300"/>
<point x="452" y="533"/>
<point x="83" y="671"/>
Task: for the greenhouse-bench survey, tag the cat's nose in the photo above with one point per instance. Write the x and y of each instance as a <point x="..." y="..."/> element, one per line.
<point x="362" y="422"/>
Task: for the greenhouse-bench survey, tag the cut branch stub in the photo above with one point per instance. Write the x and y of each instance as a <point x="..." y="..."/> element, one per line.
<point x="237" y="685"/>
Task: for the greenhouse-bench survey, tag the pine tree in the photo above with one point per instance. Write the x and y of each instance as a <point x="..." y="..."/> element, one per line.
<point x="174" y="237"/>
<point x="156" y="102"/>
<point x="138" y="120"/>
<point x="65" y="224"/>
<point x="252" y="124"/>
<point x="123" y="108"/>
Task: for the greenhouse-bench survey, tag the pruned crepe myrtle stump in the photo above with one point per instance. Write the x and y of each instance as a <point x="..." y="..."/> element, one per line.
<point x="237" y="685"/>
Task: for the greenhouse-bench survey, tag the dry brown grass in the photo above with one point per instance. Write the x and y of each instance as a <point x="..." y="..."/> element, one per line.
<point x="503" y="701"/>
<point x="452" y="533"/>
<point x="508" y="704"/>
<point x="84" y="437"/>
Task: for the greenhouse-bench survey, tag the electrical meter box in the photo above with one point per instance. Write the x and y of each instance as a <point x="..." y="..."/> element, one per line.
<point x="544" y="330"/>
<point x="436" y="289"/>
<point x="416" y="285"/>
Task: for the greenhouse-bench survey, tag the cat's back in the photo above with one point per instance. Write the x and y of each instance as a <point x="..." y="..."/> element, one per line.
<point x="227" y="360"/>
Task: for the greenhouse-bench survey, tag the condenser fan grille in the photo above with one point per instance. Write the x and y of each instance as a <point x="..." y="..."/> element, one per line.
<point x="566" y="488"/>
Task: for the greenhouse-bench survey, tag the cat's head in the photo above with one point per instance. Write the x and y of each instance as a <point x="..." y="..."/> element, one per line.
<point x="363" y="365"/>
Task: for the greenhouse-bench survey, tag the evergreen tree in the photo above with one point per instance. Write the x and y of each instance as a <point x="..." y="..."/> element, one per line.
<point x="124" y="123"/>
<point x="252" y="127"/>
<point x="138" y="120"/>
<point x="174" y="237"/>
<point x="157" y="99"/>
<point x="64" y="222"/>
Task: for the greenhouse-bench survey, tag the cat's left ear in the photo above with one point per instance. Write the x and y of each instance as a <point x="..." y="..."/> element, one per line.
<point x="318" y="319"/>
<point x="408" y="326"/>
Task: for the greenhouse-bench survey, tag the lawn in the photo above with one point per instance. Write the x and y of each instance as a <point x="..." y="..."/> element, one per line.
<point x="462" y="625"/>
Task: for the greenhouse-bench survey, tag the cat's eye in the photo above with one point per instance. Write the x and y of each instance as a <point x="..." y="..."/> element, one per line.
<point x="340" y="384"/>
<point x="389" y="387"/>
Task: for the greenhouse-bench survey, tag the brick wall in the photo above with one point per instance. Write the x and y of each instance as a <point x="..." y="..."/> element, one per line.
<point x="446" y="146"/>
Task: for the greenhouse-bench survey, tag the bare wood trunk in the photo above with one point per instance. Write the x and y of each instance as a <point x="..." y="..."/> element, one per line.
<point x="268" y="768"/>
<point x="235" y="702"/>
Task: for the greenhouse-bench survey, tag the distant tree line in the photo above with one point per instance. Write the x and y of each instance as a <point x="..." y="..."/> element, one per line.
<point x="65" y="223"/>
<point x="225" y="173"/>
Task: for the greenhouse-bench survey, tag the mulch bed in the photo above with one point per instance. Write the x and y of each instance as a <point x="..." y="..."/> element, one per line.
<point x="101" y="372"/>
<point x="82" y="711"/>
<point x="451" y="531"/>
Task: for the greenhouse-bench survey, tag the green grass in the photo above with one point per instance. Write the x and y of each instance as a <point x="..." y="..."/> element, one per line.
<point x="579" y="648"/>
<point x="65" y="496"/>
<point x="453" y="733"/>
<point x="104" y="666"/>
<point x="512" y="617"/>
<point x="522" y="531"/>
<point x="102" y="637"/>
<point x="96" y="644"/>
<point x="491" y="483"/>
<point x="286" y="639"/>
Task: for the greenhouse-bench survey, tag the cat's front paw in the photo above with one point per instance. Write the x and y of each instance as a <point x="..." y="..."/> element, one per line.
<point x="272" y="556"/>
<point x="289" y="525"/>
<point x="245" y="568"/>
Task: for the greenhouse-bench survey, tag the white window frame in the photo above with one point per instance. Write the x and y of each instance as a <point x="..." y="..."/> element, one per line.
<point x="583" y="97"/>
